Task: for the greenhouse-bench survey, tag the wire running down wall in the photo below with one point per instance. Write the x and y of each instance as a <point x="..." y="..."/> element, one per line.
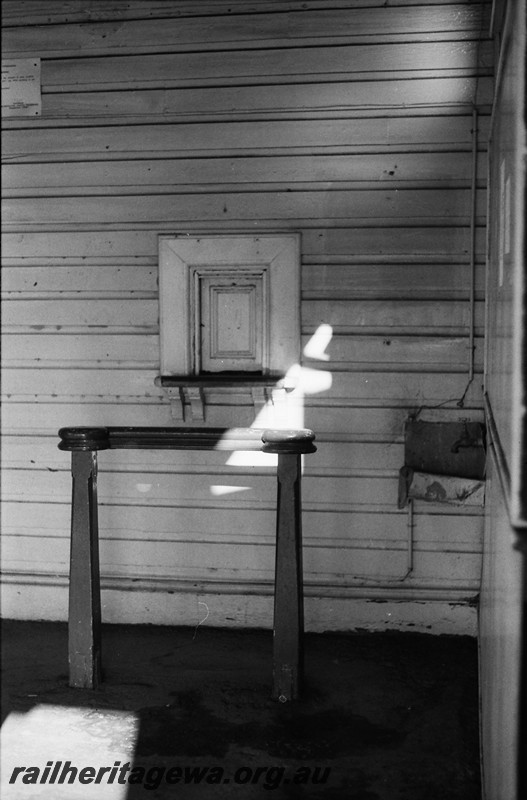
<point x="348" y="122"/>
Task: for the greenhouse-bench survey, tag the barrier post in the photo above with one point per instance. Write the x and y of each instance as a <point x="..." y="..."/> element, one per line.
<point x="288" y="626"/>
<point x="84" y="616"/>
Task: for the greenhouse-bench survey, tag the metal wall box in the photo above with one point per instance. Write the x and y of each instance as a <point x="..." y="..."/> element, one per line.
<point x="445" y="448"/>
<point x="444" y="462"/>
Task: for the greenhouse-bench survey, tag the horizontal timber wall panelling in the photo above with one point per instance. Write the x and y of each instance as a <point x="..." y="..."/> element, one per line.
<point x="352" y="123"/>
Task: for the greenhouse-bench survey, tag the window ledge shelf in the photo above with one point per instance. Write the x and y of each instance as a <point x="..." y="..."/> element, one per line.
<point x="188" y="393"/>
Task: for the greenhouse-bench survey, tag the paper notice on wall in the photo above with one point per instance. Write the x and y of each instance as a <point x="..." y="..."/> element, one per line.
<point x="21" y="95"/>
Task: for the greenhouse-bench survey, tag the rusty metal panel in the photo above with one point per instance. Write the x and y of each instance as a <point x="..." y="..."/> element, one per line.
<point x="440" y="489"/>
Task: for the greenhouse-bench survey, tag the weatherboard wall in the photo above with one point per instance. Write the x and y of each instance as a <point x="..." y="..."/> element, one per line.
<point x="360" y="125"/>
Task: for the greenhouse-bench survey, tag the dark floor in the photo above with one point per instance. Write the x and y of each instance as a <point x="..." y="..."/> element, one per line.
<point x="383" y="717"/>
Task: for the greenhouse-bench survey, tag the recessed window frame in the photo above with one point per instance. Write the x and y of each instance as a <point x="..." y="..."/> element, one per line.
<point x="184" y="258"/>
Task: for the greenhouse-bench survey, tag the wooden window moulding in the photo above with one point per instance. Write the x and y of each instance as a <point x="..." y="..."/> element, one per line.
<point x="229" y="308"/>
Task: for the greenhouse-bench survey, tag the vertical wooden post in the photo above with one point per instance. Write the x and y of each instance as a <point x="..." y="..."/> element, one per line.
<point x="84" y="620"/>
<point x="84" y="625"/>
<point x="288" y="599"/>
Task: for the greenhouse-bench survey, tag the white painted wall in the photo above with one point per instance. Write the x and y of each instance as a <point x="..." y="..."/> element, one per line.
<point x="352" y="126"/>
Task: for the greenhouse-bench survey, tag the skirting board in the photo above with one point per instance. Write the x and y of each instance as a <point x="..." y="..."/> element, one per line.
<point x="332" y="609"/>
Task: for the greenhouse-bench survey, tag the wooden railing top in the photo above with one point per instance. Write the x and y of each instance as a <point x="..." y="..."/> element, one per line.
<point x="112" y="438"/>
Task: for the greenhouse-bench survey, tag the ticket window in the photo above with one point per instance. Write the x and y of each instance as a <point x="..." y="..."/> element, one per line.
<point x="229" y="308"/>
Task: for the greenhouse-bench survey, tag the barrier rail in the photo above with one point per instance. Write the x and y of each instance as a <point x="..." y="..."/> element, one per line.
<point x="84" y="625"/>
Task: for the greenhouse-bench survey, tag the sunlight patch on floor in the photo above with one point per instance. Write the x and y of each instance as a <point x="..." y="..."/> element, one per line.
<point x="44" y="739"/>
